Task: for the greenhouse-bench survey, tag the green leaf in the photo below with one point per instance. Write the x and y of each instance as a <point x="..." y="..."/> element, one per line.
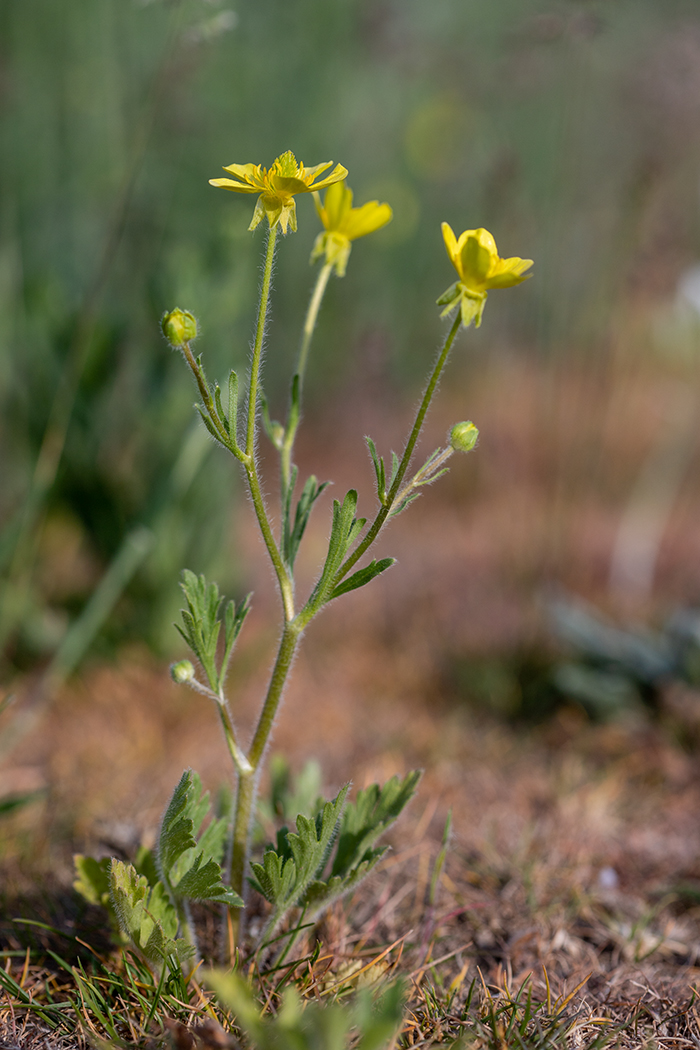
<point x="232" y="422"/>
<point x="320" y="894"/>
<point x="344" y="530"/>
<point x="395" y="463"/>
<point x="202" y="625"/>
<point x="220" y="407"/>
<point x="190" y="868"/>
<point x="362" y="577"/>
<point x="300" y="857"/>
<point x="92" y="879"/>
<point x="203" y="882"/>
<point x="146" y="915"/>
<point x="369" y="1023"/>
<point x="374" y="810"/>
<point x="364" y="820"/>
<point x="275" y="878"/>
<point x="234" y="618"/>
<point x="378" y="463"/>
<point x="273" y="428"/>
<point x="208" y="423"/>
<point x="177" y="831"/>
<point x="404" y="503"/>
<point x="293" y="536"/>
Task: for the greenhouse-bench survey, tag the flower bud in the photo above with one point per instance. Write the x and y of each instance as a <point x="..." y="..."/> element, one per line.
<point x="464" y="436"/>
<point x="179" y="327"/>
<point x="182" y="672"/>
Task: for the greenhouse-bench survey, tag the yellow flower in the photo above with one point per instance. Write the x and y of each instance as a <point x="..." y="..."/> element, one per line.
<point x="344" y="224"/>
<point x="277" y="186"/>
<point x="480" y="268"/>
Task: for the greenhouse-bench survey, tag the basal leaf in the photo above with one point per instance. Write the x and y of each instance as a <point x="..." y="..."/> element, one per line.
<point x="177" y="829"/>
<point x="190" y="867"/>
<point x="92" y="879"/>
<point x="203" y="882"/>
<point x="145" y="915"/>
<point x="373" y="811"/>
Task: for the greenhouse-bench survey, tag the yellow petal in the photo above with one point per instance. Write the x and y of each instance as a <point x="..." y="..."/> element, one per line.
<point x="476" y="257"/>
<point x="370" y="217"/>
<point x="319" y="208"/>
<point x="509" y="272"/>
<point x="450" y="242"/>
<point x="287" y="184"/>
<point x="337" y="175"/>
<point x="309" y="174"/>
<point x="247" y="172"/>
<point x="337" y="204"/>
<point x="484" y="238"/>
<point x="237" y="187"/>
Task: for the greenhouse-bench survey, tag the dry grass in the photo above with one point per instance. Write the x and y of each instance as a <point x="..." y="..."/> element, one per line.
<point x="575" y="854"/>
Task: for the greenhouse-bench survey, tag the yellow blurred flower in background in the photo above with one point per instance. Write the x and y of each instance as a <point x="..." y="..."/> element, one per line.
<point x="277" y="186"/>
<point x="480" y="268"/>
<point x="344" y="224"/>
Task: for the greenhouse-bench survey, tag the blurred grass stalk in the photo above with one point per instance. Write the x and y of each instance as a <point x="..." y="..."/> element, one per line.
<point x="562" y="125"/>
<point x="20" y="537"/>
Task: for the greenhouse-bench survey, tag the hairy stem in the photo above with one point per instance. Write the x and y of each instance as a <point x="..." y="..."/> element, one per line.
<point x="247" y="784"/>
<point x="243" y="766"/>
<point x="385" y="511"/>
<point x="258" y="344"/>
<point x="283" y="577"/>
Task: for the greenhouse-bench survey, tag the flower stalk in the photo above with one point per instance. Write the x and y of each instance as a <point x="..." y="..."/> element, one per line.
<point x="294" y="417"/>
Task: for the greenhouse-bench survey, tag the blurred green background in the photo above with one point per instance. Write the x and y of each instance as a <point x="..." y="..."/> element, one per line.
<point x="570" y="129"/>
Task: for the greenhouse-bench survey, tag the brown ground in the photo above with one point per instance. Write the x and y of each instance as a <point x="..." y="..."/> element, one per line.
<point x="575" y="846"/>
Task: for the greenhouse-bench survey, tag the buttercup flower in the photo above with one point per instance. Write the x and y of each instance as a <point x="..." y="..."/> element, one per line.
<point x="344" y="224"/>
<point x="480" y="268"/>
<point x="277" y="186"/>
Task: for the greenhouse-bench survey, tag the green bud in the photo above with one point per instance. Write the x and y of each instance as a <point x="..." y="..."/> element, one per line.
<point x="464" y="436"/>
<point x="182" y="672"/>
<point x="179" y="327"/>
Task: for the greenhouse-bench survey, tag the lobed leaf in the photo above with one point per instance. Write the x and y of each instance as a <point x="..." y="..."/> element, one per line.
<point x="345" y="529"/>
<point x="146" y="915"/>
<point x="92" y="879"/>
<point x="202" y="624"/>
<point x="370" y="1022"/>
<point x="374" y="810"/>
<point x="299" y="859"/>
<point x="379" y="471"/>
<point x="362" y="577"/>
<point x="191" y="868"/>
<point x="293" y="535"/>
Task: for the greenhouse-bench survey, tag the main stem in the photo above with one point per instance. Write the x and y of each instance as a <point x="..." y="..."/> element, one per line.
<point x="386" y="509"/>
<point x="248" y="778"/>
<point x="295" y="407"/>
<point x="247" y="783"/>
